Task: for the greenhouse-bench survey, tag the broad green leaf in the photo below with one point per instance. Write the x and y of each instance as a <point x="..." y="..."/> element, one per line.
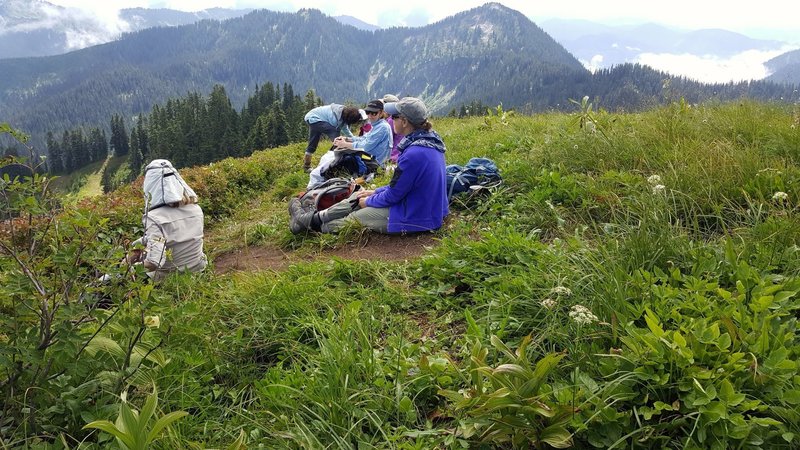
<point x="108" y="427"/>
<point x="557" y="437"/>
<point x="149" y="407"/>
<point x="678" y="339"/>
<point x="653" y="323"/>
<point x="101" y="343"/>
<point x="792" y="397"/>
<point x="512" y="369"/>
<point x="714" y="411"/>
<point x="164" y="422"/>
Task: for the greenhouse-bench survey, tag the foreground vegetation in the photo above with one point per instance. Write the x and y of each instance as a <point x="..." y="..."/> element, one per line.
<point x="633" y="284"/>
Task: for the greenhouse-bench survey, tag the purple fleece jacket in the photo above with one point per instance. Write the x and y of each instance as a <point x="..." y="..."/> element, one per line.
<point x="417" y="195"/>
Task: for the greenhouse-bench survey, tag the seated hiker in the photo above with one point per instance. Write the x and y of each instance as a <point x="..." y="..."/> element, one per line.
<point x="377" y="143"/>
<point x="173" y="224"/>
<point x="330" y="120"/>
<point x="416" y="197"/>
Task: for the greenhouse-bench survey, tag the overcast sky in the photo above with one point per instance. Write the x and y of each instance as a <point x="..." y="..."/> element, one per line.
<point x="766" y="19"/>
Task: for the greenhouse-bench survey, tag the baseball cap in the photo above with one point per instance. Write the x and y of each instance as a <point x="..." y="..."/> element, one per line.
<point x="374" y="106"/>
<point x="411" y="108"/>
<point x="363" y="114"/>
<point x="389" y="98"/>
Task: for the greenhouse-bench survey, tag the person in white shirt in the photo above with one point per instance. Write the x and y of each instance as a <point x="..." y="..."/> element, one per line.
<point x="173" y="224"/>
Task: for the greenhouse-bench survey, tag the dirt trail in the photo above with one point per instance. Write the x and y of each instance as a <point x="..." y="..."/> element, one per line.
<point x="376" y="247"/>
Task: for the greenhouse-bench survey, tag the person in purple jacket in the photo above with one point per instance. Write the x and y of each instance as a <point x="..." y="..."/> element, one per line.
<point x="416" y="197"/>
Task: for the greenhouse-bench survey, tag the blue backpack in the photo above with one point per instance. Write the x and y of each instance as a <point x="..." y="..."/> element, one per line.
<point x="476" y="174"/>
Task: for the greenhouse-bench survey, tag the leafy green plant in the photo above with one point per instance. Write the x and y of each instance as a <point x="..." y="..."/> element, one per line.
<point x="51" y="375"/>
<point x="511" y="403"/>
<point x="136" y="430"/>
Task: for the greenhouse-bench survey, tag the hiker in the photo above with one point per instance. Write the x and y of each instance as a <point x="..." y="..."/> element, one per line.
<point x="173" y="224"/>
<point x="396" y="138"/>
<point x="378" y="143"/>
<point x="415" y="199"/>
<point x="330" y="120"/>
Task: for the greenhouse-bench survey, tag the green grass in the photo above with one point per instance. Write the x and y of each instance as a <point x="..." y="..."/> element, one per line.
<point x="694" y="285"/>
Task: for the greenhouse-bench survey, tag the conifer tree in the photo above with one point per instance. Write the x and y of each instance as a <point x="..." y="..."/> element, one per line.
<point x="55" y="161"/>
<point x="120" y="144"/>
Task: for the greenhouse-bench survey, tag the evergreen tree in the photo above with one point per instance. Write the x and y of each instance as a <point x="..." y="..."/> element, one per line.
<point x="98" y="145"/>
<point x="55" y="162"/>
<point x="135" y="155"/>
<point x="66" y="153"/>
<point x="120" y="144"/>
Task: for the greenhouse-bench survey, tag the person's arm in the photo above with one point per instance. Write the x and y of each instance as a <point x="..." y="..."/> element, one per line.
<point x="156" y="250"/>
<point x="345" y="130"/>
<point x="376" y="143"/>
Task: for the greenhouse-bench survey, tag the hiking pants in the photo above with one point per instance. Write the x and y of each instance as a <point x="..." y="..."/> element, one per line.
<point x="334" y="218"/>
<point x="315" y="131"/>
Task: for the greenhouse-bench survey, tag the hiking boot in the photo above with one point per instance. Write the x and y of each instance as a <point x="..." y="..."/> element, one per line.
<point x="299" y="219"/>
<point x="307" y="163"/>
<point x="306" y="169"/>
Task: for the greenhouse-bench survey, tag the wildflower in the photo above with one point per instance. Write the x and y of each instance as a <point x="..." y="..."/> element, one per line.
<point x="780" y="196"/>
<point x="654" y="179"/>
<point x="561" y="290"/>
<point x="582" y="315"/>
<point x="659" y="188"/>
<point x="152" y="321"/>
<point x="548" y="303"/>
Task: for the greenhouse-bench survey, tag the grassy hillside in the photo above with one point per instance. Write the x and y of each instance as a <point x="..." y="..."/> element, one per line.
<point x="633" y="284"/>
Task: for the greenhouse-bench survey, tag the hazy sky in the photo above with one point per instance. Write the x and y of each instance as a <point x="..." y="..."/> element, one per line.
<point x="766" y="19"/>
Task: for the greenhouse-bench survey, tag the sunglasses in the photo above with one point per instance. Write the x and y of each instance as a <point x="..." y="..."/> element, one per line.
<point x="396" y="116"/>
<point x="372" y="113"/>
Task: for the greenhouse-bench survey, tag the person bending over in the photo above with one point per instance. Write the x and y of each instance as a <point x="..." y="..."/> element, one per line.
<point x="377" y="142"/>
<point x="330" y="120"/>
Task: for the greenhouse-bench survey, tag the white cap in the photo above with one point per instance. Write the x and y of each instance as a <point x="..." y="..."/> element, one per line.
<point x="363" y="114"/>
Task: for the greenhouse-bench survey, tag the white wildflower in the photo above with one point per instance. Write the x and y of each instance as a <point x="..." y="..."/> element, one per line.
<point x="780" y="196"/>
<point x="152" y="321"/>
<point x="582" y="315"/>
<point x="654" y="179"/>
<point x="548" y="303"/>
<point x="658" y="189"/>
<point x="561" y="290"/>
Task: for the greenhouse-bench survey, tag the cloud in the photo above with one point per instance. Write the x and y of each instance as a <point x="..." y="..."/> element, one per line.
<point x="81" y="27"/>
<point x="748" y="65"/>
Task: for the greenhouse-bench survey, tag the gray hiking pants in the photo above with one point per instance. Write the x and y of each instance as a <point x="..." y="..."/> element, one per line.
<point x="334" y="218"/>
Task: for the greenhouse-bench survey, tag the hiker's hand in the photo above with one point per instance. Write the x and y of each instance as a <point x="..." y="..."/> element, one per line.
<point x="134" y="256"/>
<point x="364" y="194"/>
<point x="362" y="202"/>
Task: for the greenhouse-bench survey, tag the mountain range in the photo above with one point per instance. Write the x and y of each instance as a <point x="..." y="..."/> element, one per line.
<point x="491" y="54"/>
<point x="39" y="28"/>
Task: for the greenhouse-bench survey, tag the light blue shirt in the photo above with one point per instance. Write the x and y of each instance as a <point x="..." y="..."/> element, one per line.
<point x="378" y="142"/>
<point x="329" y="113"/>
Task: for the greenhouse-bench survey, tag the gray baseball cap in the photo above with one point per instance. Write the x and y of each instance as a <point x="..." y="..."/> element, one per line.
<point x="411" y="108"/>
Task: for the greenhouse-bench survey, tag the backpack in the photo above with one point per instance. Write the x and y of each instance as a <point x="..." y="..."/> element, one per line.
<point x="350" y="163"/>
<point x="476" y="174"/>
<point x="327" y="194"/>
